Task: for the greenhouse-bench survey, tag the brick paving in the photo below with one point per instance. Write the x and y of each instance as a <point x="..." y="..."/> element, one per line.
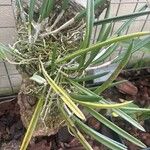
<point x="9" y="78"/>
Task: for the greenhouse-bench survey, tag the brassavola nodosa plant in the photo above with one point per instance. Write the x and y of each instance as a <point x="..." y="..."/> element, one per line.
<point x="54" y="53"/>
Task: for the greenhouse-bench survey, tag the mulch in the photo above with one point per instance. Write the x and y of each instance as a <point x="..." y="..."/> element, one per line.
<point x="137" y="88"/>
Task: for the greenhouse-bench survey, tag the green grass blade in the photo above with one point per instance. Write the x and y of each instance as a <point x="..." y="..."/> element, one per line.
<point x="32" y="125"/>
<point x="95" y="101"/>
<point x="112" y="85"/>
<point x="115" y="128"/>
<point x="123" y="17"/>
<point x="99" y="137"/>
<point x="100" y="45"/>
<point x="103" y="34"/>
<point x="90" y="77"/>
<point x="6" y="52"/>
<point x="114" y="75"/>
<point x="83" y="141"/>
<point x="89" y="29"/>
<point x="31" y="14"/>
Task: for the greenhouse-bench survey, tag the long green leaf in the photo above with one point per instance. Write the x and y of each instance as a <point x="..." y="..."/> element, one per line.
<point x="46" y="8"/>
<point x="90" y="77"/>
<point x="89" y="29"/>
<point x="99" y="137"/>
<point x="85" y="98"/>
<point x="64" y="96"/>
<point x="107" y="54"/>
<point x="6" y="52"/>
<point x="115" y="128"/>
<point x="74" y="129"/>
<point x="101" y="44"/>
<point x="136" y="109"/>
<point x="129" y="119"/>
<point x="32" y="125"/>
<point x="94" y="54"/>
<point x="104" y="26"/>
<point x="123" y="17"/>
<point x="31" y="10"/>
<point x="125" y="116"/>
<point x="22" y="12"/>
<point x="140" y="44"/>
<point x="114" y="75"/>
<point x="117" y="111"/>
<point x="2" y="53"/>
<point x="103" y="35"/>
<point x="101" y="105"/>
<point x="83" y="89"/>
<point x="137" y="46"/>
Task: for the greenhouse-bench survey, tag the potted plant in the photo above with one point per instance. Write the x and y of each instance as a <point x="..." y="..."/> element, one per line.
<point x="54" y="54"/>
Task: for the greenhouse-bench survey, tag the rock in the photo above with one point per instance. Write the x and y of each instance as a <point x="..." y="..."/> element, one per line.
<point x="127" y="88"/>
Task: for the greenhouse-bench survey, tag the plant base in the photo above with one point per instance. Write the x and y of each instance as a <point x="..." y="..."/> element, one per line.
<point x="27" y="102"/>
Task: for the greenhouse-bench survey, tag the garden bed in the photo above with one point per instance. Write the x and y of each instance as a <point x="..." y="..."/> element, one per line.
<point x="136" y="88"/>
<point x="12" y="132"/>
